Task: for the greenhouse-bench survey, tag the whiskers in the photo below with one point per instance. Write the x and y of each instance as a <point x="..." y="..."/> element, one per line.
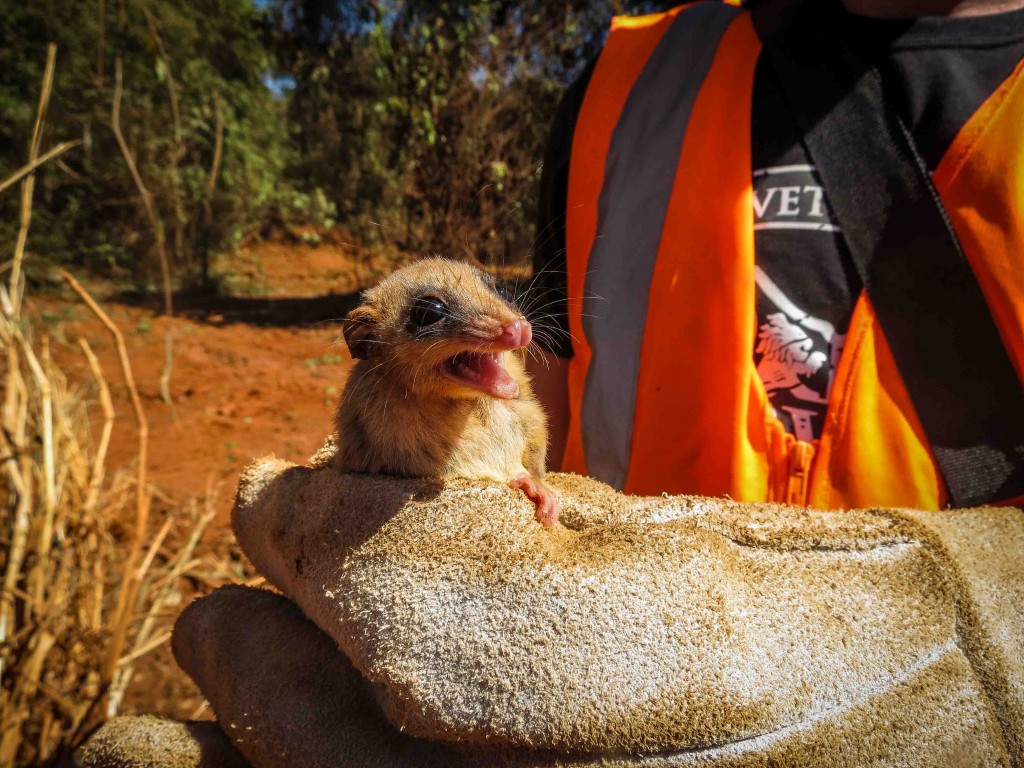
<point x="545" y="303"/>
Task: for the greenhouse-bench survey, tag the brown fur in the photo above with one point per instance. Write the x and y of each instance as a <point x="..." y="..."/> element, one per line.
<point x="400" y="416"/>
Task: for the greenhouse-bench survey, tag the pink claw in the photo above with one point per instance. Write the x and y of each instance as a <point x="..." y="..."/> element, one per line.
<point x="539" y="494"/>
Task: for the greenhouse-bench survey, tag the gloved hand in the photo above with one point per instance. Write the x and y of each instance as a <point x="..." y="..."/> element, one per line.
<point x="646" y="631"/>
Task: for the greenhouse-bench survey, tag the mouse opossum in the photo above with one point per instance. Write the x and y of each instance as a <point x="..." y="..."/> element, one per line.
<point x="439" y="388"/>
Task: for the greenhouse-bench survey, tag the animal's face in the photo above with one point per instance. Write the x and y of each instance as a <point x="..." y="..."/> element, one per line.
<point x="441" y="326"/>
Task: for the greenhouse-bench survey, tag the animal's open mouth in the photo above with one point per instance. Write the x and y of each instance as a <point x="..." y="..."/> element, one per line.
<point x="483" y="371"/>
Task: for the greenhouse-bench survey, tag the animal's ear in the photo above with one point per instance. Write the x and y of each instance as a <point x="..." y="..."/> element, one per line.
<point x="360" y="331"/>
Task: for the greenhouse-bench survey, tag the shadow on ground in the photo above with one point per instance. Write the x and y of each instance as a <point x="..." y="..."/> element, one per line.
<point x="279" y="312"/>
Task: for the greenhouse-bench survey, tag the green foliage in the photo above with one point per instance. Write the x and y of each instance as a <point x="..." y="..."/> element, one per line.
<point x="425" y="121"/>
<point x="413" y="124"/>
<point x="288" y="207"/>
<point x="88" y="210"/>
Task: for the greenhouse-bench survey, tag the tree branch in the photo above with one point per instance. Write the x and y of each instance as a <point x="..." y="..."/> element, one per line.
<point x="155" y="222"/>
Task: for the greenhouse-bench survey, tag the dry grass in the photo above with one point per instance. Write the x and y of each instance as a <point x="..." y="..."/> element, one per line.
<point x="88" y="588"/>
<point x="85" y="596"/>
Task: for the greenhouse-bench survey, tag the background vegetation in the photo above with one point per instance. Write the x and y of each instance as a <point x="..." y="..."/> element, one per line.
<point x="413" y="125"/>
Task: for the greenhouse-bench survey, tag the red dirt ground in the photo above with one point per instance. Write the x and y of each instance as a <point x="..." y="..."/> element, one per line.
<point x="240" y="390"/>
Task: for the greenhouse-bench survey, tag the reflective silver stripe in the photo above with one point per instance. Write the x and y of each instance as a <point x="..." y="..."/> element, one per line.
<point x="639" y="174"/>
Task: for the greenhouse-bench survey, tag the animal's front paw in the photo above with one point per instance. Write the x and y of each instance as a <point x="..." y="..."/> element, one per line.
<point x="541" y="495"/>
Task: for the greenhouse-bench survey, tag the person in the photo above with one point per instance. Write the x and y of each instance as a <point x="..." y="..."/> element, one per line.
<point x="679" y="203"/>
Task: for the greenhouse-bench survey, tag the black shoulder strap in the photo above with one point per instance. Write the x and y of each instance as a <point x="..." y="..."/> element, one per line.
<point x="927" y="299"/>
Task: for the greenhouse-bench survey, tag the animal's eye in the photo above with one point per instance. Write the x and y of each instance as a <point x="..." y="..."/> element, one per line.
<point x="427" y="310"/>
<point x="504" y="290"/>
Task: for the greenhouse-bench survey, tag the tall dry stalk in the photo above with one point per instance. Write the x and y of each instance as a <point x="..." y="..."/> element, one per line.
<point x="28" y="186"/>
<point x="133" y="575"/>
<point x="30" y="167"/>
<point x="79" y="606"/>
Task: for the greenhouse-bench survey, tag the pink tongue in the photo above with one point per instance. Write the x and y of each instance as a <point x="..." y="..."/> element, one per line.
<point x="484" y="373"/>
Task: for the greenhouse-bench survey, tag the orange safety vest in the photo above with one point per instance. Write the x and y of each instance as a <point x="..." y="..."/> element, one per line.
<point x="663" y="390"/>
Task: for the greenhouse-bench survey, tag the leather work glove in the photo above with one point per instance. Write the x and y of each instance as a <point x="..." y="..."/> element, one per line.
<point x="668" y="631"/>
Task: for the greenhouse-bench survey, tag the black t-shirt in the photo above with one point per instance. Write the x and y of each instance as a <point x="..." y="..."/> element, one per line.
<point x="936" y="72"/>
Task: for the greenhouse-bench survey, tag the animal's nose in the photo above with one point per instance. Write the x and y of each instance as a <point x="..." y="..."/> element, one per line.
<point x="515" y="335"/>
